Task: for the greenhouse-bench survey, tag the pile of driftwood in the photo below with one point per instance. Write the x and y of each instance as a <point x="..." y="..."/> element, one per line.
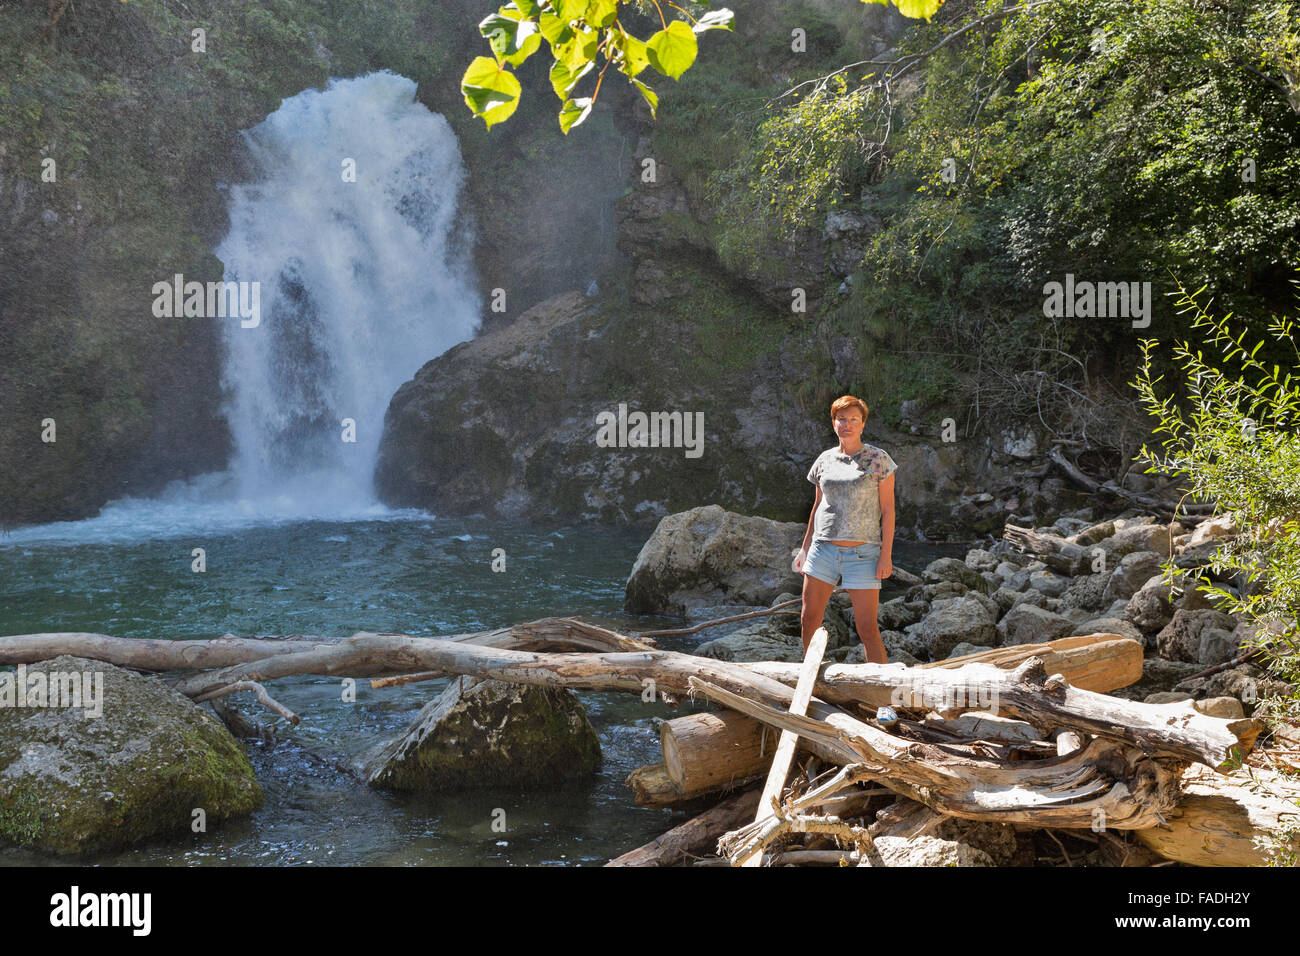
<point x="1017" y="735"/>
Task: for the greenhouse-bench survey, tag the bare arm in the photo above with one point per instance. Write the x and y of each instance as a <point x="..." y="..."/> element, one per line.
<point x="807" y="537"/>
<point x="885" y="564"/>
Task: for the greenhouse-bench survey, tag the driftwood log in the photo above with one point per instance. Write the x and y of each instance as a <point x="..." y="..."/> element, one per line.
<point x="1127" y="768"/>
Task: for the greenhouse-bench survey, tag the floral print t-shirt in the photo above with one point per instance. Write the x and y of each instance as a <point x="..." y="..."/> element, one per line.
<point x="850" y="484"/>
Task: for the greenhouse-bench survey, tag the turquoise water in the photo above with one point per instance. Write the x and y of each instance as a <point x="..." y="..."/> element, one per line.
<point x="129" y="574"/>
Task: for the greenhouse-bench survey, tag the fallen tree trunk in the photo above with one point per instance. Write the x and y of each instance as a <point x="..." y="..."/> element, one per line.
<point x="1064" y="556"/>
<point x="1230" y="820"/>
<point x="1095" y="662"/>
<point x="696" y="837"/>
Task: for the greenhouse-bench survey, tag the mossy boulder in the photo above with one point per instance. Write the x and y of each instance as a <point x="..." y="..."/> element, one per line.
<point x="488" y="733"/>
<point x="72" y="782"/>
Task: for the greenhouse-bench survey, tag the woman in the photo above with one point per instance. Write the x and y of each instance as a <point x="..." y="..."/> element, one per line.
<point x="851" y="529"/>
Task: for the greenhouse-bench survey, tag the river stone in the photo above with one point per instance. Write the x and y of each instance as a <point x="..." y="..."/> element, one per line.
<point x="74" y="783"/>
<point x="485" y="733"/>
<point x="1048" y="583"/>
<point x="1086" y="591"/>
<point x="711" y="556"/>
<point x="950" y="569"/>
<point x="982" y="560"/>
<point x="1006" y="598"/>
<point x="899" y="613"/>
<point x="901" y="646"/>
<point x="1199" y="637"/>
<point x="1109" y="625"/>
<point x="1093" y="534"/>
<point x="759" y="642"/>
<point x="1150" y="608"/>
<point x="1213" y="529"/>
<point x="1026" y="624"/>
<point x="1136" y="537"/>
<point x="953" y="621"/>
<point x="1133" y="571"/>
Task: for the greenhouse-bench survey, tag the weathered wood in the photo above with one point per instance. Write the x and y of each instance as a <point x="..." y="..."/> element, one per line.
<point x="1222" y="820"/>
<point x="785" y="746"/>
<point x="697" y="836"/>
<point x="1131" y="788"/>
<point x="652" y="787"/>
<point x="1175" y="730"/>
<point x="1097" y="662"/>
<point x="724" y="747"/>
<point x="1052" y="550"/>
<point x="711" y="750"/>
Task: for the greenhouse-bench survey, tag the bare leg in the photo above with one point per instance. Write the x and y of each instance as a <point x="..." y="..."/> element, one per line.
<point x="866" y="606"/>
<point x="815" y="595"/>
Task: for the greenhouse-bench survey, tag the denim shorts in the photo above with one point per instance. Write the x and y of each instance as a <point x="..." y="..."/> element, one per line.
<point x="855" y="562"/>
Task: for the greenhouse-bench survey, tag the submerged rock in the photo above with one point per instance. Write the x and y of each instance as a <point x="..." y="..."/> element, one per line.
<point x="74" y="782"/>
<point x="490" y="733"/>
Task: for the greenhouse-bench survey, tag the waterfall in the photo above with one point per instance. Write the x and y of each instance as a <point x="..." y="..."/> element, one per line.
<point x="351" y="231"/>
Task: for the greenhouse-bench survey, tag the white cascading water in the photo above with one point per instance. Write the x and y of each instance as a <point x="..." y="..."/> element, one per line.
<point x="361" y="282"/>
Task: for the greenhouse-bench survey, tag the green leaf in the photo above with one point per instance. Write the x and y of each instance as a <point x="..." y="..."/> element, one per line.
<point x="720" y="19"/>
<point x="651" y="97"/>
<point x="527" y="7"/>
<point x="573" y="113"/>
<point x="564" y="79"/>
<point x="526" y="49"/>
<point x="569" y="10"/>
<point x="635" y="58"/>
<point x="490" y="91"/>
<point x="672" y="51"/>
<point x="553" y="28"/>
<point x="601" y="12"/>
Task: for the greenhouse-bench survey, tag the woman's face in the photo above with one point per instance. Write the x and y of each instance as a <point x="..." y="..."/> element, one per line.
<point x="848" y="424"/>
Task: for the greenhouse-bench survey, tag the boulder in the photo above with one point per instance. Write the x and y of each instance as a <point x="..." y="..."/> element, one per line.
<point x="76" y="781"/>
<point x="950" y="569"/>
<point x="1199" y="637"/>
<point x="484" y="733"/>
<point x="899" y="613"/>
<point x="1048" y="583"/>
<point x="953" y="621"/>
<point x="1133" y="571"/>
<point x="901" y="646"/>
<point x="711" y="556"/>
<point x="1086" y="591"/>
<point x="1150" y="607"/>
<point x="1213" y="529"/>
<point x="758" y="642"/>
<point x="1109" y="625"/>
<point x="981" y="560"/>
<point x="1158" y="675"/>
<point x="1136" y="537"/>
<point x="1026" y="624"/>
<point x="1006" y="598"/>
<point x="1093" y="534"/>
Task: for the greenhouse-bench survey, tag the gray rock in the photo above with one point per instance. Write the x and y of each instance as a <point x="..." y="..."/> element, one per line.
<point x="1026" y="624"/>
<point x="1133" y="571"/>
<point x="74" y="782"/>
<point x="1167" y="697"/>
<point x="711" y="556"/>
<point x="1005" y="570"/>
<point x="981" y="560"/>
<point x="1048" y="583"/>
<point x="698" y="615"/>
<point x="901" y="646"/>
<point x="1110" y="625"/>
<point x="1093" y="534"/>
<point x="1085" y="591"/>
<point x="1199" y="637"/>
<point x="1150" y="607"/>
<point x="944" y="590"/>
<point x="950" y="569"/>
<point x="759" y="642"/>
<point x="1158" y="675"/>
<point x="1136" y="537"/>
<point x="953" y="621"/>
<point x="899" y="613"/>
<point x="961" y="650"/>
<point x="485" y="733"/>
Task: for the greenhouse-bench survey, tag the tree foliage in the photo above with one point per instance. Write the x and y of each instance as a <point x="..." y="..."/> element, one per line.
<point x="582" y="35"/>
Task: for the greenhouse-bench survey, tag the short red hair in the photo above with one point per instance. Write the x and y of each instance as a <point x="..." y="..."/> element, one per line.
<point x="848" y="401"/>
